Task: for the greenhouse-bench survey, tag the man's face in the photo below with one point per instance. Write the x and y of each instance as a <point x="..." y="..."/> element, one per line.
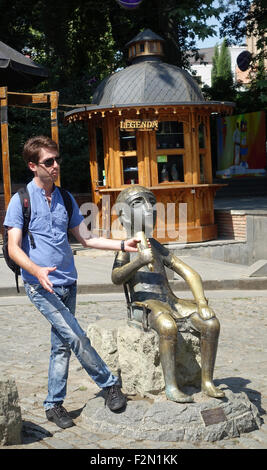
<point x="142" y="213"/>
<point x="47" y="169"/>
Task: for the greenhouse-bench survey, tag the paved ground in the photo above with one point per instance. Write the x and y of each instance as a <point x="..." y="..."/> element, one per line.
<point x="246" y="203"/>
<point x="94" y="274"/>
<point x="241" y="359"/>
<point x="24" y="352"/>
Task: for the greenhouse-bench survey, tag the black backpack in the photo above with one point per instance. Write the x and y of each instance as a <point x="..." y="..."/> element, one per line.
<point x="26" y="210"/>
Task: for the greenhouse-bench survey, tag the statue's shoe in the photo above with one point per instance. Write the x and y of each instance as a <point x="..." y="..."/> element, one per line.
<point x="174" y="394"/>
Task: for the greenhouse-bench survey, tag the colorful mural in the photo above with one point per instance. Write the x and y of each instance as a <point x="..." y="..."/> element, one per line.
<point x="241" y="145"/>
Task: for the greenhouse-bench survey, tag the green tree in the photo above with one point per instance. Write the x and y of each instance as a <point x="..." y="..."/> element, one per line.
<point x="249" y="19"/>
<point x="224" y="70"/>
<point x="254" y="96"/>
<point x="246" y="18"/>
<point x="82" y="41"/>
<point x="214" y="70"/>
<point x="222" y="85"/>
<point x="73" y="35"/>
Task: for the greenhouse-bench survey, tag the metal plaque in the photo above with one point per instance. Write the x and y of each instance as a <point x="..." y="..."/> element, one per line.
<point x="213" y="416"/>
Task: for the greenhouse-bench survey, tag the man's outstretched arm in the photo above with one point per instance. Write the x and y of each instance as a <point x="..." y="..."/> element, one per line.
<point x="101" y="243"/>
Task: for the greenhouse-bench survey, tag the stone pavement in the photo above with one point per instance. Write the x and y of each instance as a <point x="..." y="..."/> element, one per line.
<point x="94" y="274"/>
<point x="25" y="345"/>
<point x="241" y="203"/>
<point x="24" y="352"/>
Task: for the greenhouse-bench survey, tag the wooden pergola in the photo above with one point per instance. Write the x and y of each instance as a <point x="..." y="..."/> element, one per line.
<point x="23" y="100"/>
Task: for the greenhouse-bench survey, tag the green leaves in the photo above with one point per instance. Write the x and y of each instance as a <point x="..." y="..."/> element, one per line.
<point x="82" y="41"/>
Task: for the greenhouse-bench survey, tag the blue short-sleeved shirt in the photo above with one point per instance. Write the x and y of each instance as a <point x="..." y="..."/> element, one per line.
<point x="48" y="225"/>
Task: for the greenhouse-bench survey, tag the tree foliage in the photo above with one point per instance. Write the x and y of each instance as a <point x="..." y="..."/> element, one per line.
<point x="243" y="18"/>
<point x="246" y="18"/>
<point x="82" y="41"/>
<point x="222" y="86"/>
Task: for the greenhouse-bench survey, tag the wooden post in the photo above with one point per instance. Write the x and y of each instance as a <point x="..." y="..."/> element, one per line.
<point x="194" y="149"/>
<point x="5" y="146"/>
<point x="54" y="121"/>
<point x="208" y="170"/>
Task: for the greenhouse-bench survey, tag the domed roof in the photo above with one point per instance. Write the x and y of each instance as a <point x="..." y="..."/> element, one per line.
<point x="148" y="82"/>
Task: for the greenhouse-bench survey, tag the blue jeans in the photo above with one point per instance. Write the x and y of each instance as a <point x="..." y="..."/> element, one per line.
<point x="66" y="335"/>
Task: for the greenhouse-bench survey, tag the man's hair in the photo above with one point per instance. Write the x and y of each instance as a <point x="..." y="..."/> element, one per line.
<point x="31" y="149"/>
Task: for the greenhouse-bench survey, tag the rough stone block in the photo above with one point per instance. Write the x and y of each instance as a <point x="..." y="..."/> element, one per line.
<point x="172" y="422"/>
<point x="134" y="354"/>
<point x="10" y="413"/>
<point x="103" y="337"/>
<point x="139" y="361"/>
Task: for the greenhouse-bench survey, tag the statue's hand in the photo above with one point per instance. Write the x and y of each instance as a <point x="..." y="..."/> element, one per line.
<point x="146" y="256"/>
<point x="205" y="311"/>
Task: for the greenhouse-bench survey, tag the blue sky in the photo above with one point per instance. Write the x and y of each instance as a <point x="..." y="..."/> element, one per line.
<point x="212" y="41"/>
<point x="209" y="42"/>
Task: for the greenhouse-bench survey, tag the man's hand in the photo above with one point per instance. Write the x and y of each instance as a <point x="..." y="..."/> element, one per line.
<point x="18" y="255"/>
<point x="131" y="244"/>
<point x="42" y="276"/>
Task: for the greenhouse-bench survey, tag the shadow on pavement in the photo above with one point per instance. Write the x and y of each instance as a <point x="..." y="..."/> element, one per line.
<point x="239" y="384"/>
<point x="32" y="432"/>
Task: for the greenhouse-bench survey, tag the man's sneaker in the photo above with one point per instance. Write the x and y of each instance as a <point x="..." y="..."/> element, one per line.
<point x="114" y="398"/>
<point x="59" y="416"/>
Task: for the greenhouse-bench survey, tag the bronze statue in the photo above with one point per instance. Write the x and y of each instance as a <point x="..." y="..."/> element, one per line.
<point x="145" y="275"/>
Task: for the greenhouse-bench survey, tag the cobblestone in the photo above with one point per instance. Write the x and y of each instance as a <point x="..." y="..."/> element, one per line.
<point x="25" y="345"/>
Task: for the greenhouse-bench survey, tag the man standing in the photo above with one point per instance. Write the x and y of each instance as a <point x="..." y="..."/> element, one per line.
<point x="49" y="275"/>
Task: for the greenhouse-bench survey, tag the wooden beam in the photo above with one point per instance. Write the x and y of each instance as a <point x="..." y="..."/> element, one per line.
<point x="208" y="169"/>
<point x="54" y="121"/>
<point x="5" y="146"/>
<point x="27" y="98"/>
<point x="194" y="150"/>
<point x="3" y="92"/>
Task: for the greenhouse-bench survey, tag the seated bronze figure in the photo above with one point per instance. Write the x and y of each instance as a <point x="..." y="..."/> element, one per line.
<point x="145" y="276"/>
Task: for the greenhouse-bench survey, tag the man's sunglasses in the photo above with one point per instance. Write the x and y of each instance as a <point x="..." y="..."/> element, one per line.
<point x="50" y="161"/>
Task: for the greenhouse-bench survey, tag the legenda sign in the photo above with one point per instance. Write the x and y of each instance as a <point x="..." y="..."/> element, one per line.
<point x="139" y="124"/>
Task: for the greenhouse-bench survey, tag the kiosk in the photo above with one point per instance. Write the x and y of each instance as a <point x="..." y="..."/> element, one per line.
<point x="150" y="124"/>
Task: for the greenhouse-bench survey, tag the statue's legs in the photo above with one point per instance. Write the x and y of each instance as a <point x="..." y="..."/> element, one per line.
<point x="210" y="330"/>
<point x="162" y="322"/>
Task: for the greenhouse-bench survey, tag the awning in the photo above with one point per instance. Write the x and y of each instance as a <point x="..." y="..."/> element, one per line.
<point x="17" y="71"/>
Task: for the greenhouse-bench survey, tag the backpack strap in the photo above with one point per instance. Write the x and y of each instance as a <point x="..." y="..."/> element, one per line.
<point x="67" y="201"/>
<point x="17" y="281"/>
<point x="26" y="212"/>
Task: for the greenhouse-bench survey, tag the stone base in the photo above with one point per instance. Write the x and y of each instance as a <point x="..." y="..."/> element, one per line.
<point x="208" y="419"/>
<point x="10" y="413"/>
<point x="134" y="355"/>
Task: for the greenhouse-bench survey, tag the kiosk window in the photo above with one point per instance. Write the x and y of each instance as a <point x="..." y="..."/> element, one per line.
<point x="202" y="167"/>
<point x="170" y="134"/>
<point x="100" y="156"/>
<point x="130" y="170"/>
<point x="142" y="47"/>
<point x="170" y="168"/>
<point x="153" y="47"/>
<point x="201" y="136"/>
<point x="127" y="141"/>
